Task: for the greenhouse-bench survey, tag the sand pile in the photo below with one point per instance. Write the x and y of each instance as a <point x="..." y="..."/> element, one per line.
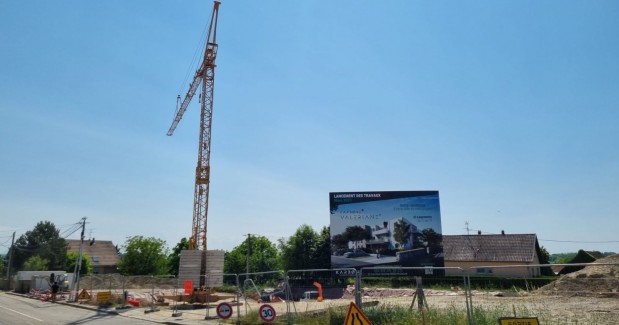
<point x="592" y="281"/>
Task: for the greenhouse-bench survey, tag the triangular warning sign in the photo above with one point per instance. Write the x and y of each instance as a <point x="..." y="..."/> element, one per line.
<point x="84" y="294"/>
<point x="356" y="316"/>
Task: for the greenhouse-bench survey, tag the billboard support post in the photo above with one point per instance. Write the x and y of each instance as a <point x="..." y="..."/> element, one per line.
<point x="358" y="289"/>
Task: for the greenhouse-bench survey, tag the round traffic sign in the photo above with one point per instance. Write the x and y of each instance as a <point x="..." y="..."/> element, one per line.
<point x="267" y="313"/>
<point x="224" y="310"/>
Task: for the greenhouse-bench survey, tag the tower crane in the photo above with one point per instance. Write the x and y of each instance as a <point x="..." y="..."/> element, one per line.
<point x="205" y="76"/>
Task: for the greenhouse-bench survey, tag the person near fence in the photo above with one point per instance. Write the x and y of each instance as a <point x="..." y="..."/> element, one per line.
<point x="55" y="288"/>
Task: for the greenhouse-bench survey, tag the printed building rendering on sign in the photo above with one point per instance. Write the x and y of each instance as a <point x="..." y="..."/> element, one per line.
<point x="393" y="228"/>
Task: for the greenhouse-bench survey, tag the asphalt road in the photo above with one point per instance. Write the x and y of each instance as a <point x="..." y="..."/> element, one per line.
<point x="20" y="310"/>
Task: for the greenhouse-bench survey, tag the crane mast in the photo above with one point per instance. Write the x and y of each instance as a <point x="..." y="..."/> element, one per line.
<point x="205" y="76"/>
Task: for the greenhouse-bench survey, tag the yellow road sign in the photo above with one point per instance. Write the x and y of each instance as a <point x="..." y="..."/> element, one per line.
<point x="104" y="296"/>
<point x="518" y="321"/>
<point x="356" y="316"/>
<point x="84" y="294"/>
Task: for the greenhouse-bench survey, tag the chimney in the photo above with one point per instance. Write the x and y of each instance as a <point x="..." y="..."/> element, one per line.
<point x="503" y="232"/>
<point x="479" y="232"/>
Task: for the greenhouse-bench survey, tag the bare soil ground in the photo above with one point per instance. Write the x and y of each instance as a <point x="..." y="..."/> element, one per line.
<point x="588" y="296"/>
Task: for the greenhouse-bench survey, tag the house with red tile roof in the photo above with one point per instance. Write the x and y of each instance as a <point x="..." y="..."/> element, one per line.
<point x="102" y="254"/>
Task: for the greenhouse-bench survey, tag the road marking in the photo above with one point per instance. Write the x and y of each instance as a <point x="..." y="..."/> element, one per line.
<point x="15" y="311"/>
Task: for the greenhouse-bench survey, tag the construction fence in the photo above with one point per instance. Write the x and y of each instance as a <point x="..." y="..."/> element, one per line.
<point x="480" y="295"/>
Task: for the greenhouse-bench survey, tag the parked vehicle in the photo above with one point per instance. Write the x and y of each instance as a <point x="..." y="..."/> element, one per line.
<point x="356" y="254"/>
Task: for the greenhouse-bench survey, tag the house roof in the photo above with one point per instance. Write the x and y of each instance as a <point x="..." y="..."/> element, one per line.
<point x="490" y="248"/>
<point x="584" y="256"/>
<point x="595" y="254"/>
<point x="581" y="257"/>
<point x="101" y="252"/>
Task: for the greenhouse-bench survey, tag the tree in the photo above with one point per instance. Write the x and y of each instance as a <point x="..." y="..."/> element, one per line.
<point x="72" y="259"/>
<point x="432" y="239"/>
<point x="301" y="250"/>
<point x="544" y="255"/>
<point x="35" y="263"/>
<point x="43" y="241"/>
<point x="356" y="234"/>
<point x="144" y="256"/>
<point x="562" y="258"/>
<point x="544" y="258"/>
<point x="263" y="257"/>
<point x="323" y="249"/>
<point x="174" y="259"/>
<point x="339" y="241"/>
<point x="3" y="264"/>
<point x="401" y="232"/>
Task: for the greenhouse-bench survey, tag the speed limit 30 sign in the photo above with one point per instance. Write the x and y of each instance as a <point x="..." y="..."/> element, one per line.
<point x="267" y="313"/>
<point x="224" y="310"/>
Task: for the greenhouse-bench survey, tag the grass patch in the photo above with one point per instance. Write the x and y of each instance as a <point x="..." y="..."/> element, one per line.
<point x="379" y="315"/>
<point x="403" y="315"/>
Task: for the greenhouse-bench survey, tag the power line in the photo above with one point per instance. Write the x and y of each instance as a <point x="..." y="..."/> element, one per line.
<point x="8" y="237"/>
<point x="6" y="242"/>
<point x="479" y="231"/>
<point x="71" y="230"/>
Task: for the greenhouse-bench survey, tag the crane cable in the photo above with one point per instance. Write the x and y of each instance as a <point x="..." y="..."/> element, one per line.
<point x="193" y="66"/>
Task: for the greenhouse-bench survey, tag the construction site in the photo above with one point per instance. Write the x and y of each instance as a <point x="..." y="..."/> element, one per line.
<point x="587" y="296"/>
<point x="201" y="270"/>
<point x="369" y="275"/>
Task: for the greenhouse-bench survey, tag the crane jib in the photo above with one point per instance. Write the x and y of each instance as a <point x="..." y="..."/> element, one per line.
<point x="181" y="111"/>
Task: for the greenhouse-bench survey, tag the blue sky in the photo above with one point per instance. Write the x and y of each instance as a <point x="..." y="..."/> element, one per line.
<point x="507" y="108"/>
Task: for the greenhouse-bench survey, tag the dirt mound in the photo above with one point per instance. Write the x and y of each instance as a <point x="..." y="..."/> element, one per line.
<point x="593" y="280"/>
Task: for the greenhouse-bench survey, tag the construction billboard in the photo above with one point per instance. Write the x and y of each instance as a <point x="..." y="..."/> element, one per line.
<point x="389" y="228"/>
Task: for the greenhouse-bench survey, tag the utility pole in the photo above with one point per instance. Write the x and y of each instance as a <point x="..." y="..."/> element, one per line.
<point x="248" y="254"/>
<point x="8" y="270"/>
<point x="78" y="264"/>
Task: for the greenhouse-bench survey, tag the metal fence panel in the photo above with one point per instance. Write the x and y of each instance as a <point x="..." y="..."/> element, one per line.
<point x="260" y="288"/>
<point x="317" y="291"/>
<point x="589" y="295"/>
<point x="415" y="289"/>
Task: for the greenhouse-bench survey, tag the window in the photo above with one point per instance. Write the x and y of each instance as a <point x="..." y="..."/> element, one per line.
<point x="95" y="258"/>
<point x="484" y="270"/>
